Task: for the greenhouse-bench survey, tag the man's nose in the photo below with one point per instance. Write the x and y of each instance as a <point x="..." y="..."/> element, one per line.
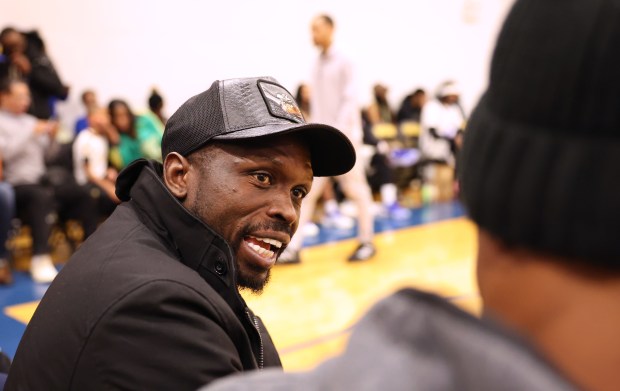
<point x="283" y="208"/>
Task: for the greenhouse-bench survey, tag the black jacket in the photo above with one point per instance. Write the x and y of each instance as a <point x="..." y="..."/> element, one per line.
<point x="149" y="302"/>
<point x="43" y="80"/>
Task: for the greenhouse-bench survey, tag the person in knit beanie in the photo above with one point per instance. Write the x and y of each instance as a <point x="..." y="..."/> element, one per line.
<point x="539" y="178"/>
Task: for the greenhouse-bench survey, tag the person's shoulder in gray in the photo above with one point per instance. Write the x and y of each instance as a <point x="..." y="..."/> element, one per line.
<point x="417" y="341"/>
<point x="539" y="176"/>
<point x="151" y="300"/>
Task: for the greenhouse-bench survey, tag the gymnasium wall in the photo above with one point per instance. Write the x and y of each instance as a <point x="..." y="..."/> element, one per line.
<point x="122" y="48"/>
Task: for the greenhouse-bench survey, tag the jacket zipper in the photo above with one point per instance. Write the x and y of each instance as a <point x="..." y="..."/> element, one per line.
<point x="261" y="357"/>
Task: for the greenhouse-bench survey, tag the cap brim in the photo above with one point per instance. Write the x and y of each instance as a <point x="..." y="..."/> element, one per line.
<point x="331" y="152"/>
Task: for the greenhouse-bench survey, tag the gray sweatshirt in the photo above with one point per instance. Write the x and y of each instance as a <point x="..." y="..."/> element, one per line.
<point x="418" y="341"/>
<point x="21" y="149"/>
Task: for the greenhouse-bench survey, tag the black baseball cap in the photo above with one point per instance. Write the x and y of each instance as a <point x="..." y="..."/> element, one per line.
<point x="248" y="108"/>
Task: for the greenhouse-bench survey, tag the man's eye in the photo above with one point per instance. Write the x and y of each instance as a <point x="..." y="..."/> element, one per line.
<point x="298" y="193"/>
<point x="263" y="178"/>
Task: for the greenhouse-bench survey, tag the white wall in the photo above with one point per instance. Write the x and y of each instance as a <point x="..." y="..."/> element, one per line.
<point x="123" y="47"/>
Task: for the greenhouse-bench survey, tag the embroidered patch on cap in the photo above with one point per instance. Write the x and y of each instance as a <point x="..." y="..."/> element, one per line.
<point x="279" y="102"/>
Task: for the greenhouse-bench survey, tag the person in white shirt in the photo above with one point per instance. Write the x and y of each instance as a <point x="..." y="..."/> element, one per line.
<point x="442" y="125"/>
<point x="334" y="102"/>
<point x="90" y="159"/>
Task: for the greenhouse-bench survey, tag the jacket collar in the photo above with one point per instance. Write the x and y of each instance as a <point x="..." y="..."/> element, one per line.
<point x="198" y="246"/>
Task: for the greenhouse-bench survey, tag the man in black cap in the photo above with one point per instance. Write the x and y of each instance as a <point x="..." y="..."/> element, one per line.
<point x="539" y="177"/>
<point x="151" y="300"/>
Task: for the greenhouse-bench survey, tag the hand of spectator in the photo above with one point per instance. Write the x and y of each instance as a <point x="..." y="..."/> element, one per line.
<point x="111" y="174"/>
<point x="46" y="127"/>
<point x="112" y="134"/>
<point x="21" y="62"/>
<point x="458" y="140"/>
<point x="383" y="147"/>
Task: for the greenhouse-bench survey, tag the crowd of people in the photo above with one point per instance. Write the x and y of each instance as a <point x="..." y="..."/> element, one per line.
<point x="44" y="182"/>
<point x="143" y="304"/>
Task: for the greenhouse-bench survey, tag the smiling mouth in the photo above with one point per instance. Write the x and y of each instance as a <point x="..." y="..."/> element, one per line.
<point x="264" y="247"/>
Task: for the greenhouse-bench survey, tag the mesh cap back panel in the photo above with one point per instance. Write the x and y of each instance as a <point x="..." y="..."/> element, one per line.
<point x="194" y="123"/>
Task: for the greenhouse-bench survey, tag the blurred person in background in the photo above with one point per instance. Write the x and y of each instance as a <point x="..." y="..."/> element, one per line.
<point x="381" y="174"/>
<point x="23" y="142"/>
<point x="156" y="110"/>
<point x="441" y="134"/>
<point x="7" y="209"/>
<point x="28" y="60"/>
<point x="411" y="107"/>
<point x="89" y="100"/>
<point x="302" y="97"/>
<point x="139" y="136"/>
<point x="332" y="215"/>
<point x="379" y="110"/>
<point x="539" y="178"/>
<point x="334" y="102"/>
<point x="156" y="105"/>
<point x="90" y="160"/>
<point x="442" y="125"/>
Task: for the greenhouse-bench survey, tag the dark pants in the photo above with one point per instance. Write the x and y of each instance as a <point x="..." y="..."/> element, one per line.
<point x="105" y="205"/>
<point x="40" y="205"/>
<point x="380" y="172"/>
<point x="7" y="209"/>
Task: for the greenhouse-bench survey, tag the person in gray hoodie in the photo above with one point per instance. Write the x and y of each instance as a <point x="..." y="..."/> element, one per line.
<point x="538" y="177"/>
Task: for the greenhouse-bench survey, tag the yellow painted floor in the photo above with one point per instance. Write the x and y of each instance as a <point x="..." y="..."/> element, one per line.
<point x="309" y="308"/>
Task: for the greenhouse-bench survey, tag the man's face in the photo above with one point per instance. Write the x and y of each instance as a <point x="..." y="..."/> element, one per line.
<point x="17" y="100"/>
<point x="251" y="193"/>
<point x="451" y="99"/>
<point x="90" y="100"/>
<point x="121" y="118"/>
<point x="13" y="42"/>
<point x="321" y="32"/>
<point x="99" y="120"/>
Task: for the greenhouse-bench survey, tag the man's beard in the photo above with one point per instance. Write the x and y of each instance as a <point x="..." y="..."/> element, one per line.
<point x="251" y="281"/>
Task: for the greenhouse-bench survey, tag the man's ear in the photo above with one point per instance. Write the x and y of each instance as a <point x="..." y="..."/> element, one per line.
<point x="176" y="170"/>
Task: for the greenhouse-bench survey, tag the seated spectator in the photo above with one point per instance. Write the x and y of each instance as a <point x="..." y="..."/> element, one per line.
<point x="139" y="136"/>
<point x="538" y="174"/>
<point x="89" y="100"/>
<point x="379" y="110"/>
<point x="7" y="208"/>
<point x="23" y="140"/>
<point x="28" y="60"/>
<point x="411" y="108"/>
<point x="440" y="138"/>
<point x="381" y="174"/>
<point x="442" y="123"/>
<point x="156" y="110"/>
<point x="90" y="160"/>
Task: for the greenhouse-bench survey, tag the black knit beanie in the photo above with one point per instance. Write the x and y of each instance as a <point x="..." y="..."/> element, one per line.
<point x="540" y="163"/>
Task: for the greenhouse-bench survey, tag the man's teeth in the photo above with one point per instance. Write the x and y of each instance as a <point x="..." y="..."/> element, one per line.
<point x="261" y="251"/>
<point x="274" y="242"/>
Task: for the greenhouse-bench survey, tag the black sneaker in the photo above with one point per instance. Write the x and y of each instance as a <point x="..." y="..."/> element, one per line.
<point x="363" y="252"/>
<point x="288" y="257"/>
